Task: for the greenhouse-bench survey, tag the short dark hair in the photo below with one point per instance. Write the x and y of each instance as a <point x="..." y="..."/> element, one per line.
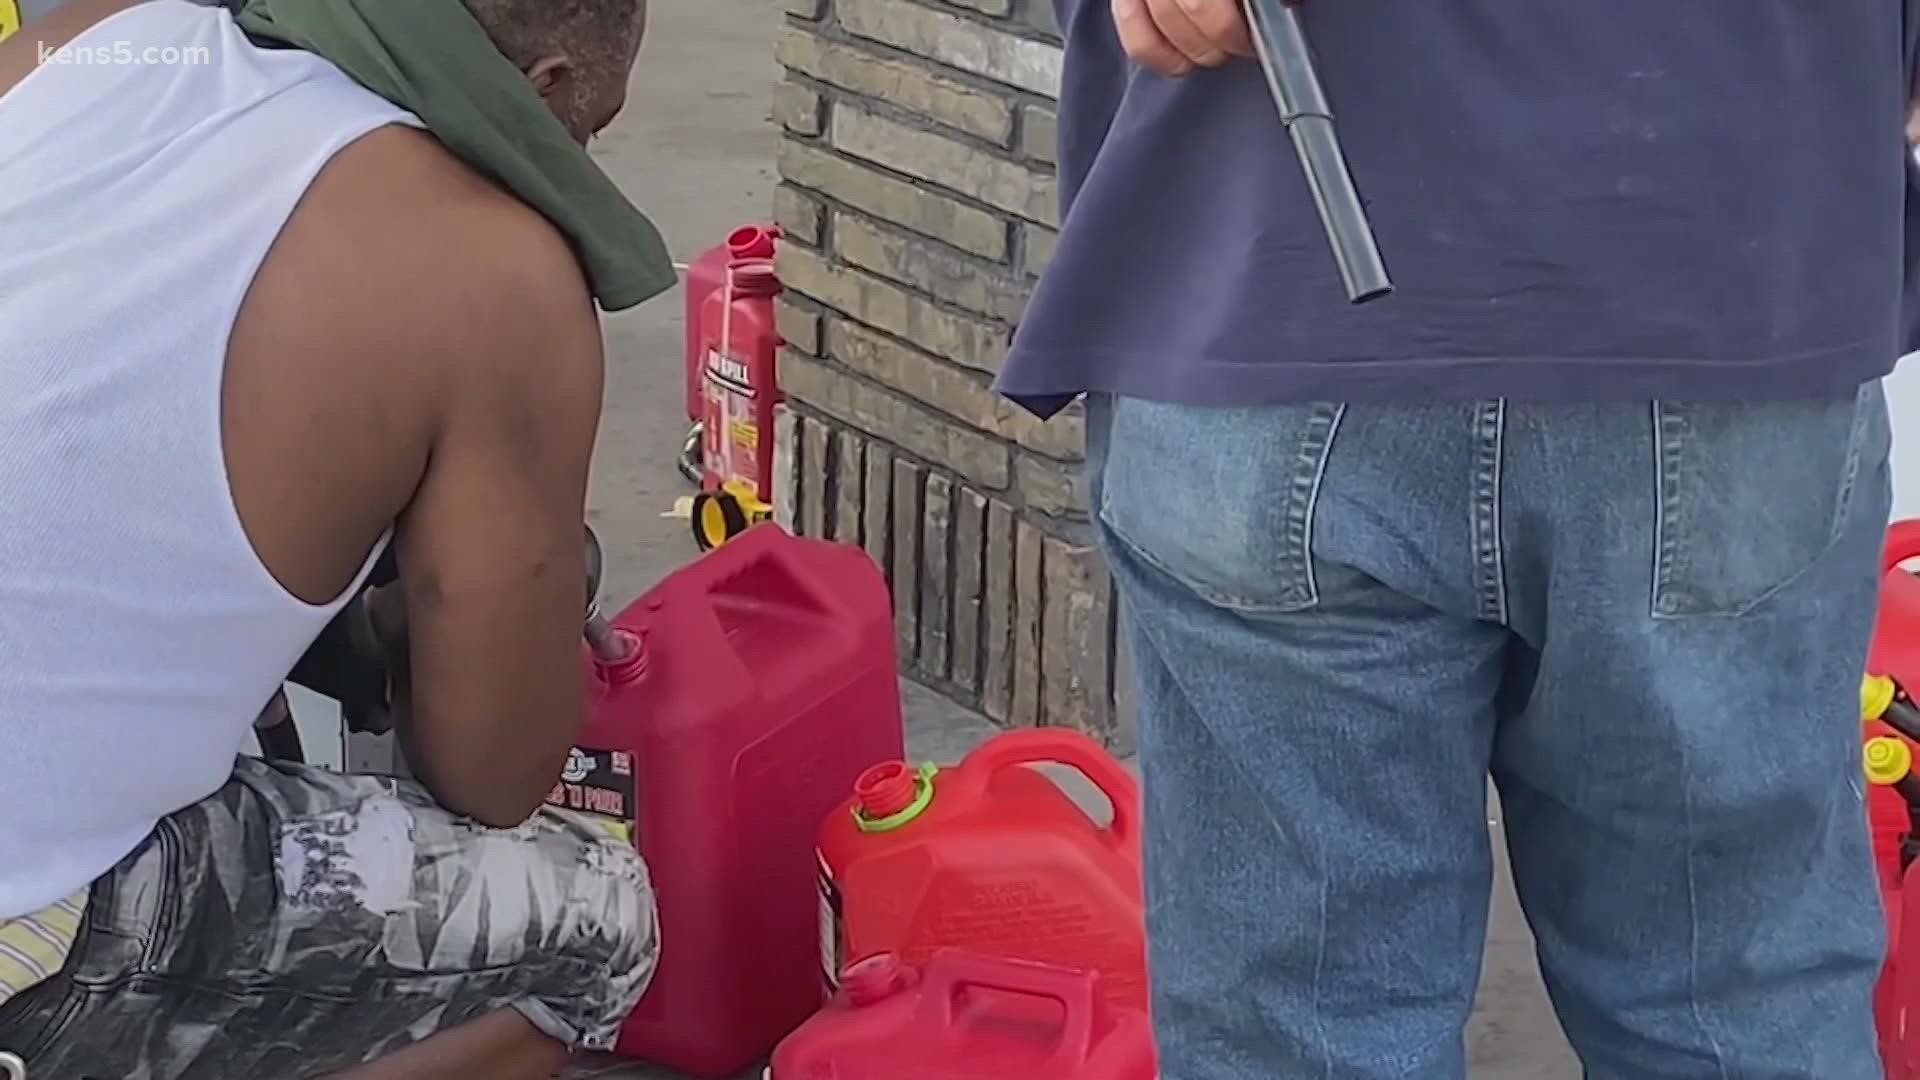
<point x="591" y="31"/>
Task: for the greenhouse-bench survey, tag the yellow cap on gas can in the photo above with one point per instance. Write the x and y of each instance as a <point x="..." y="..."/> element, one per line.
<point x="1888" y="760"/>
<point x="1876" y="697"/>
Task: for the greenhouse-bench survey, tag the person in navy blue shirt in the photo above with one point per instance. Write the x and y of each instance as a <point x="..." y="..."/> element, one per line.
<point x="1592" y="504"/>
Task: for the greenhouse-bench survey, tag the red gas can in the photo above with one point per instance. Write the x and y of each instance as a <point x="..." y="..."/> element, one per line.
<point x="1898" y="1003"/>
<point x="1895" y="653"/>
<point x="704" y="277"/>
<point x="1896" y="989"/>
<point x="742" y="347"/>
<point x="991" y="857"/>
<point x="971" y="1018"/>
<point x="762" y="685"/>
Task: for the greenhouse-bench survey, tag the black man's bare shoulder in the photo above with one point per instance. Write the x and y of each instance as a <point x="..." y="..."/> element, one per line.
<point x="427" y="261"/>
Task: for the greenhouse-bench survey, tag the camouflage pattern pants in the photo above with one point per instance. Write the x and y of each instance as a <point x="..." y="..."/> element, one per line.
<point x="300" y="922"/>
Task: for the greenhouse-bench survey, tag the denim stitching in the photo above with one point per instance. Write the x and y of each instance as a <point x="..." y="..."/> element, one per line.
<point x="1693" y="935"/>
<point x="1669" y="441"/>
<point x="1319" y="969"/>
<point x="1856" y="436"/>
<point x="1304" y="498"/>
<point x="1489" y="558"/>
<point x="1315" y="451"/>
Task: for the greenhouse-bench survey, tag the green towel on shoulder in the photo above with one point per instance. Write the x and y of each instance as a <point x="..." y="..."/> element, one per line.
<point x="431" y="58"/>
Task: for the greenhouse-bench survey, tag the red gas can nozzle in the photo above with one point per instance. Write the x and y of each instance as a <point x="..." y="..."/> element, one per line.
<point x="751" y="242"/>
<point x="617" y="653"/>
<point x="891" y="795"/>
<point x="875" y="979"/>
<point x="885" y="790"/>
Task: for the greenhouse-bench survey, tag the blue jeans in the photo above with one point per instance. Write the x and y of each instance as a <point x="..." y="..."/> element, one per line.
<point x="1647" y="623"/>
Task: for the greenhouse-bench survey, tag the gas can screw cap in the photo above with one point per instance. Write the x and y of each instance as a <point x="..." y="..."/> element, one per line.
<point x="892" y="794"/>
<point x="1888" y="760"/>
<point x="1876" y="697"/>
<point x="885" y="790"/>
<point x="750" y="242"/>
<point x="875" y="979"/>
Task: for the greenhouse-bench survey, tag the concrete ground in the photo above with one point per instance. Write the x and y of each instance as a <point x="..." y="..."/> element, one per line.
<point x="695" y="149"/>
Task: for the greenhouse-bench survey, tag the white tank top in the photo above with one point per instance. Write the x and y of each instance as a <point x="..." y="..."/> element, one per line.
<point x="139" y="632"/>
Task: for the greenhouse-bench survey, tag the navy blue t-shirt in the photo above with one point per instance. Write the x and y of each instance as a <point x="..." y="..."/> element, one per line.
<point x="1577" y="200"/>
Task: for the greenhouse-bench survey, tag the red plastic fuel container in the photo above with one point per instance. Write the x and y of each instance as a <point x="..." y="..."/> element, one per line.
<point x="742" y="348"/>
<point x="759" y="684"/>
<point x="991" y="857"/>
<point x="971" y="1018"/>
<point x="1897" y="998"/>
<point x="1897" y="1007"/>
<point x="1898" y="1004"/>
<point x="1895" y="654"/>
<point x="1888" y="761"/>
<point x="704" y="277"/>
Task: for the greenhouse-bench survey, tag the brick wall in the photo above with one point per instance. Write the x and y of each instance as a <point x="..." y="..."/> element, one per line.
<point x="918" y="197"/>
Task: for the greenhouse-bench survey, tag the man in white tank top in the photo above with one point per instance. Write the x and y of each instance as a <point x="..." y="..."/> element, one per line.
<point x="256" y="322"/>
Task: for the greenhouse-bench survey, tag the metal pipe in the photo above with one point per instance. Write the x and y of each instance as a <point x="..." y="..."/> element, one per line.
<point x="608" y="644"/>
<point x="1281" y="43"/>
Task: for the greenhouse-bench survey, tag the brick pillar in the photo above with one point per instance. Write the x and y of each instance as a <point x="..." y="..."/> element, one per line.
<point x="919" y="200"/>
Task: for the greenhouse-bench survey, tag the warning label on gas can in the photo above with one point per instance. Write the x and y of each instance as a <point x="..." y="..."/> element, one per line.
<point x="600" y="785"/>
<point x="832" y="925"/>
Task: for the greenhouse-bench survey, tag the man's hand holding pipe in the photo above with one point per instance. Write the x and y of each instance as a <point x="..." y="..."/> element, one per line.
<point x="1173" y="37"/>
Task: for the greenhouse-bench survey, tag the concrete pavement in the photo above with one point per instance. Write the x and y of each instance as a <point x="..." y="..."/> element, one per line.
<point x="696" y="150"/>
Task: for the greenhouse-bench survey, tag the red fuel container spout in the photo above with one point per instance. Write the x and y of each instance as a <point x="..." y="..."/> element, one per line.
<point x="751" y="242"/>
<point x="886" y="791"/>
<point x="875" y="979"/>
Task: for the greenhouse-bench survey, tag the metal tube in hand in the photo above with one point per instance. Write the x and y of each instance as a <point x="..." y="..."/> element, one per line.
<point x="1281" y="43"/>
<point x="609" y="646"/>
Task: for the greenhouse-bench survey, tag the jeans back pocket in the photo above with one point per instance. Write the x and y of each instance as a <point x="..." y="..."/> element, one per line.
<point x="1751" y="495"/>
<point x="1219" y="499"/>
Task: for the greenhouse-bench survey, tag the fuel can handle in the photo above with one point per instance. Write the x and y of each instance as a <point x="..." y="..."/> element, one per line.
<point x="955" y="971"/>
<point x="1060" y="746"/>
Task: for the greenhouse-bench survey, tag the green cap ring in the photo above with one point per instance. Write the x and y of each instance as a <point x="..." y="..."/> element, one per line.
<point x="922" y="798"/>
